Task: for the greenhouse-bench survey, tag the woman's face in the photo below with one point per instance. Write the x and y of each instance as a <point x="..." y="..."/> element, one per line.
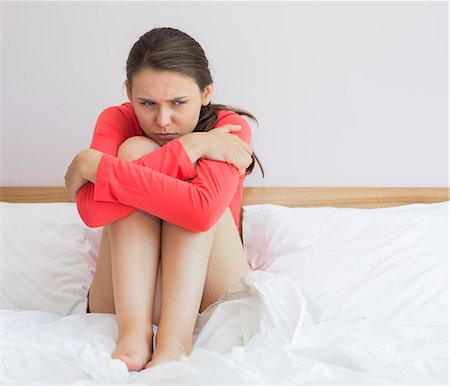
<point x="167" y="103"/>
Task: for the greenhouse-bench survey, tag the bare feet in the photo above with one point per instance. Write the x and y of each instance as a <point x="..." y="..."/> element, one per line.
<point x="134" y="350"/>
<point x="169" y="351"/>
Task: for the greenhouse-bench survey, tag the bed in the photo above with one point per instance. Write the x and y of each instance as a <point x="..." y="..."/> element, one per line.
<point x="350" y="286"/>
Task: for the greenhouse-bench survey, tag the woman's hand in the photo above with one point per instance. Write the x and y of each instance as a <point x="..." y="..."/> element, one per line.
<point x="82" y="169"/>
<point x="217" y="144"/>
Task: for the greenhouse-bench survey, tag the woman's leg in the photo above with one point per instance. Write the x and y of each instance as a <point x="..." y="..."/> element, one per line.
<point x="197" y="269"/>
<point x="126" y="275"/>
<point x="135" y="253"/>
<point x="225" y="262"/>
<point x="184" y="259"/>
<point x="101" y="296"/>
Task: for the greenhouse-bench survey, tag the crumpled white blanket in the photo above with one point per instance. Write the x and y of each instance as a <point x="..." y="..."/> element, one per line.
<point x="261" y="332"/>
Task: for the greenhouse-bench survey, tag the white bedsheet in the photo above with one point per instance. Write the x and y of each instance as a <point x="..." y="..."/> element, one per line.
<point x="345" y="297"/>
<point x="261" y="333"/>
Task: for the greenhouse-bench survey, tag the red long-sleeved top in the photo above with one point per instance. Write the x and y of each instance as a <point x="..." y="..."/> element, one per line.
<point x="157" y="183"/>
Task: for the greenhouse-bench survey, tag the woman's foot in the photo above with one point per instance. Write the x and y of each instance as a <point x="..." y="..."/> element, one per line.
<point x="134" y="350"/>
<point x="167" y="352"/>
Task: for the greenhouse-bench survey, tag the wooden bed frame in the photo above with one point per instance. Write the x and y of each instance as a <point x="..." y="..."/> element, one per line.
<point x="287" y="196"/>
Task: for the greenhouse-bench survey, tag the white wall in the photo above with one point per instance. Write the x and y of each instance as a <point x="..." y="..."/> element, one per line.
<point x="347" y="93"/>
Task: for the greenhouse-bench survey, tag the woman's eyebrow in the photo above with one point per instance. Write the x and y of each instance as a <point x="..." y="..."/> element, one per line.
<point x="170" y="100"/>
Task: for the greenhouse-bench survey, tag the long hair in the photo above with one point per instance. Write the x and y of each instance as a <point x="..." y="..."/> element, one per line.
<point x="169" y="49"/>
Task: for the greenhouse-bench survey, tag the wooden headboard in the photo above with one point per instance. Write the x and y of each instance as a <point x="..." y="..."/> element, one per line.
<point x="287" y="196"/>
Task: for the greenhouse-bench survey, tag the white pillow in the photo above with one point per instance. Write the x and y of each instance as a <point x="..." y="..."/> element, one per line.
<point x="383" y="264"/>
<point x="48" y="258"/>
<point x="386" y="263"/>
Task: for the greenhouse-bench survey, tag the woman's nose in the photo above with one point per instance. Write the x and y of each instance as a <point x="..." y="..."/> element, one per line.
<point x="163" y="118"/>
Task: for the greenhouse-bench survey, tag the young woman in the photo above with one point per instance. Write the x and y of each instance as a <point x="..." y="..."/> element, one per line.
<point x="164" y="177"/>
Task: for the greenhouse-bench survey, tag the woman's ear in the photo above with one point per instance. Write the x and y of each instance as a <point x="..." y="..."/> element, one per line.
<point x="207" y="94"/>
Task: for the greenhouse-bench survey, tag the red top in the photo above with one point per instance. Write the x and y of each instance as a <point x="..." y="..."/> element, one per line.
<point x="157" y="182"/>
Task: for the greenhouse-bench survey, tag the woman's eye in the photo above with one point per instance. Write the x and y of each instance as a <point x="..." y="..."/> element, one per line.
<point x="147" y="103"/>
<point x="179" y="103"/>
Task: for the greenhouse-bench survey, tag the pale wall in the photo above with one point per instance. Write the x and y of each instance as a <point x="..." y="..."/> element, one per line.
<point x="347" y="93"/>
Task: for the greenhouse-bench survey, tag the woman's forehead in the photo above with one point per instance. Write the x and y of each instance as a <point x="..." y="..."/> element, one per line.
<point x="165" y="84"/>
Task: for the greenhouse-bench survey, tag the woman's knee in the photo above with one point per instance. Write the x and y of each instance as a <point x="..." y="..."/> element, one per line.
<point x="135" y="147"/>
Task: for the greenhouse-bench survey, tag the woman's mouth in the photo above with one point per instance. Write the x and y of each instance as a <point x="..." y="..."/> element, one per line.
<point x="166" y="136"/>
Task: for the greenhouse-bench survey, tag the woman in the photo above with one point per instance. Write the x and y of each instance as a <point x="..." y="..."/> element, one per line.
<point x="164" y="176"/>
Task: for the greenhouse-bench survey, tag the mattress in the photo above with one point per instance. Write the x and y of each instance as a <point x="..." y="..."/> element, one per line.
<point x="336" y="296"/>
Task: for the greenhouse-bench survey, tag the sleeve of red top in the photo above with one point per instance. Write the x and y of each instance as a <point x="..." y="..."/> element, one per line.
<point x="113" y="127"/>
<point x="195" y="205"/>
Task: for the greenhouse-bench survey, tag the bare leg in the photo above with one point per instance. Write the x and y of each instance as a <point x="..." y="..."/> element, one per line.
<point x="131" y="262"/>
<point x="184" y="257"/>
<point x="220" y="253"/>
<point x="197" y="269"/>
<point x="135" y="243"/>
<point x="101" y="295"/>
<point x="227" y="262"/>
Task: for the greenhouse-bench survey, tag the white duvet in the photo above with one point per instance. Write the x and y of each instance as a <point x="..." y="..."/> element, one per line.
<point x="338" y="296"/>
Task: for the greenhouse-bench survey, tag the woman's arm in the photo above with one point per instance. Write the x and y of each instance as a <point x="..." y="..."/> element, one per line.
<point x="218" y="145"/>
<point x="114" y="126"/>
<point x="195" y="206"/>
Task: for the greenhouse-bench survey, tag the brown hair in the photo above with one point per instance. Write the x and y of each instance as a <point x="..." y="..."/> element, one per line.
<point x="169" y="49"/>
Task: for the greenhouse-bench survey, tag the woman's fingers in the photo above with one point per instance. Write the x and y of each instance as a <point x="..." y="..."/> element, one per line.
<point x="241" y="159"/>
<point x="73" y="179"/>
<point x="71" y="183"/>
<point x="247" y="162"/>
<point x="247" y="147"/>
<point x="229" y="148"/>
<point x="240" y="155"/>
<point x="232" y="128"/>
